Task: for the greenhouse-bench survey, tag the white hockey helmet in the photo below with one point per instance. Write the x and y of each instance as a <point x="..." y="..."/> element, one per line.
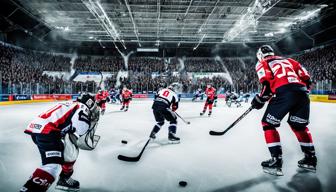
<point x="264" y="51"/>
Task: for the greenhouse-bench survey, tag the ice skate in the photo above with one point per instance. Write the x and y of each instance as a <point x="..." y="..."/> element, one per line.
<point x="209" y="114"/>
<point x="126" y="109"/>
<point x="173" y="139"/>
<point x="202" y="113"/>
<point x="122" y="108"/>
<point x="273" y="166"/>
<point x="308" y="163"/>
<point x="67" y="184"/>
<point x="102" y="112"/>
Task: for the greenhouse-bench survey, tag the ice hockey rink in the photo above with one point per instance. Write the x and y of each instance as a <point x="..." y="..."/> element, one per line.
<point x="211" y="164"/>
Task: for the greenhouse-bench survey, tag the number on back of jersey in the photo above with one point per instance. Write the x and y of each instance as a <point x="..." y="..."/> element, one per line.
<point x="168" y="95"/>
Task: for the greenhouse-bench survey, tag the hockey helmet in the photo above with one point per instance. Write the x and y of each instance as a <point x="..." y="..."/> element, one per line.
<point x="264" y="51"/>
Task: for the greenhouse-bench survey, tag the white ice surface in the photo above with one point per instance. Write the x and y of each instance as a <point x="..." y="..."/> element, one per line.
<point x="226" y="163"/>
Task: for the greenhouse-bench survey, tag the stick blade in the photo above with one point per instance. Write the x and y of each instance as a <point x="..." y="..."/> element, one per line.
<point x="215" y="133"/>
<point x="128" y="159"/>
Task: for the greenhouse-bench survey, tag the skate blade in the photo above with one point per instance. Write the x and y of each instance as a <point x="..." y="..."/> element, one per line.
<point x="173" y="142"/>
<point x="309" y="168"/>
<point x="62" y="188"/>
<point x="276" y="172"/>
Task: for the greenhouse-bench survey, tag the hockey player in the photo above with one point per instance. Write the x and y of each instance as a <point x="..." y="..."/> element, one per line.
<point x="164" y="100"/>
<point x="127" y="97"/>
<point x="288" y="82"/>
<point x="113" y="93"/>
<point x="101" y="98"/>
<point x="59" y="133"/>
<point x="198" y="94"/>
<point x="210" y="92"/>
<point x="232" y="97"/>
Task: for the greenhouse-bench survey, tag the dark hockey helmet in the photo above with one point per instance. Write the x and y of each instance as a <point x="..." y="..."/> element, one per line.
<point x="264" y="51"/>
<point x="89" y="100"/>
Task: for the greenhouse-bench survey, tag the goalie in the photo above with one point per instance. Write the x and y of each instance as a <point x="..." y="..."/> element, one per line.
<point x="59" y="133"/>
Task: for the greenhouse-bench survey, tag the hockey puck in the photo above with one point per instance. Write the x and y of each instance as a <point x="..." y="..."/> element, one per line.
<point x="183" y="183"/>
<point x="188" y="122"/>
<point x="123" y="142"/>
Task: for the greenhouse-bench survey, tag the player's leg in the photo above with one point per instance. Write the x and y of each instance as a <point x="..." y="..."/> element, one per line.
<point x="127" y="104"/>
<point x="298" y="120"/>
<point x="159" y="118"/>
<point x="277" y="108"/>
<point x="51" y="152"/>
<point x="103" y="107"/>
<point x="123" y="105"/>
<point x="205" y="107"/>
<point x="65" y="182"/>
<point x="210" y="104"/>
<point x="172" y="118"/>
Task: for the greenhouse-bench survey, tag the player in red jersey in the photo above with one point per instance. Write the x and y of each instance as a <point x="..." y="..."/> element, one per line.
<point x="211" y="94"/>
<point x="101" y="99"/>
<point x="59" y="133"/>
<point x="285" y="83"/>
<point x="127" y="97"/>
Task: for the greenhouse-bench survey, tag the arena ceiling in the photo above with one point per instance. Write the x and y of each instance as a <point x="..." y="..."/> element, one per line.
<point x="157" y="23"/>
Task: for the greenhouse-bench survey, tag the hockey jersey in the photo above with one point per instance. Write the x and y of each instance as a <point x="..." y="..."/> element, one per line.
<point x="61" y="118"/>
<point x="210" y="93"/>
<point x="279" y="71"/>
<point x="166" y="98"/>
<point x="102" y="96"/>
<point x="127" y="94"/>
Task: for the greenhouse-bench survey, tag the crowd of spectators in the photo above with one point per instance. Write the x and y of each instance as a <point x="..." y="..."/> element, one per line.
<point x="22" y="71"/>
<point x="108" y="64"/>
<point x="321" y="63"/>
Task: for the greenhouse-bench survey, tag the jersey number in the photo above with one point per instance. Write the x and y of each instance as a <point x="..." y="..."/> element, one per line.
<point x="48" y="113"/>
<point x="166" y="93"/>
<point x="282" y="69"/>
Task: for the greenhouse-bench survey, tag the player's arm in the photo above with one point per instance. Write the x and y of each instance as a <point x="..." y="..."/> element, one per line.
<point x="175" y="103"/>
<point x="260" y="99"/>
<point x="266" y="93"/>
<point x="301" y="72"/>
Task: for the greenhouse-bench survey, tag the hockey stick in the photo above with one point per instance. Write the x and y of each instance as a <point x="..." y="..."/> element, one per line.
<point x="134" y="159"/>
<point x="185" y="121"/>
<point x="217" y="133"/>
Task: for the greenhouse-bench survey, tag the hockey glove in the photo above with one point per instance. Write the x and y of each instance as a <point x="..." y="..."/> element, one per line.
<point x="68" y="129"/>
<point x="308" y="84"/>
<point x="174" y="107"/>
<point x="257" y="102"/>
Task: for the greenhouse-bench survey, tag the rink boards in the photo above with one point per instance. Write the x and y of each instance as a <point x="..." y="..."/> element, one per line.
<point x="7" y="99"/>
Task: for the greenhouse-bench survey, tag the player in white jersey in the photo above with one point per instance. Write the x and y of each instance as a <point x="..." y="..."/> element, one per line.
<point x="165" y="103"/>
<point x="59" y="133"/>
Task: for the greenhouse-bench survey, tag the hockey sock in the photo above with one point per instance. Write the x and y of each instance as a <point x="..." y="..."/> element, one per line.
<point x="205" y="107"/>
<point x="39" y="181"/>
<point x="172" y="128"/>
<point x="210" y="107"/>
<point x="157" y="127"/>
<point x="305" y="139"/>
<point x="272" y="138"/>
<point x="67" y="169"/>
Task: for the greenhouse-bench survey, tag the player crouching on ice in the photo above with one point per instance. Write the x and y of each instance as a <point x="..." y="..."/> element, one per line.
<point x="165" y="99"/>
<point x="285" y="85"/>
<point x="210" y="92"/>
<point x="127" y="97"/>
<point x="59" y="133"/>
